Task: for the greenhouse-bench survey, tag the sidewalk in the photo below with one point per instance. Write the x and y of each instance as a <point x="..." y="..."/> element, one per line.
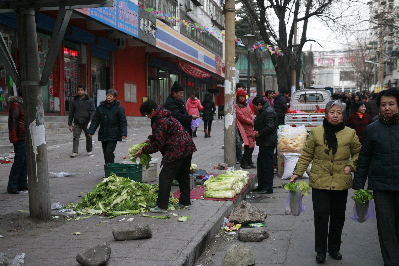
<point x="52" y="243"/>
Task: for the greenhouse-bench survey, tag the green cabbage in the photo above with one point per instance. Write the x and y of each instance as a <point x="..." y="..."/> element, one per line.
<point x="302" y="185"/>
<point x="362" y="196"/>
<point x="145" y="159"/>
<point x="220" y="194"/>
<point x="120" y="196"/>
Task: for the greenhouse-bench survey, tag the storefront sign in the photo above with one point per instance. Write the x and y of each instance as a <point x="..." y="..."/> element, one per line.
<point x="123" y="15"/>
<point x="169" y="40"/>
<point x="148" y="28"/>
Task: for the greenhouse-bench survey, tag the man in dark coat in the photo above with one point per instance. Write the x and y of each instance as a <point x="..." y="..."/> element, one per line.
<point x="280" y="105"/>
<point x="81" y="113"/>
<point x="110" y="116"/>
<point x="265" y="125"/>
<point x="176" y="106"/>
<point x="172" y="140"/>
<point x="18" y="178"/>
<point x="372" y="109"/>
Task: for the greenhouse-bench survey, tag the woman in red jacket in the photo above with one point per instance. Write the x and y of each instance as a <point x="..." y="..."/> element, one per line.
<point x="245" y="124"/>
<point x="359" y="120"/>
<point x="193" y="106"/>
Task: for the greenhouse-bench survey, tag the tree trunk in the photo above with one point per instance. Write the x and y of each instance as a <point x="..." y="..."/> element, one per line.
<point x="36" y="150"/>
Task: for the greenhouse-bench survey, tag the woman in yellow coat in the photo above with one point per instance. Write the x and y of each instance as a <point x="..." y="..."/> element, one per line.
<point x="334" y="150"/>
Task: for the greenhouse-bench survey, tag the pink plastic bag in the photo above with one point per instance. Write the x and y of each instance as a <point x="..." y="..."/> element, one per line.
<point x="363" y="212"/>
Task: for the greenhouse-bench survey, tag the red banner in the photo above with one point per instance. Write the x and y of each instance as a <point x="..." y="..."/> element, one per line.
<point x="192" y="70"/>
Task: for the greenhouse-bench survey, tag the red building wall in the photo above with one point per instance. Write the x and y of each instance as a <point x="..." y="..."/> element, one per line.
<point x="129" y="66"/>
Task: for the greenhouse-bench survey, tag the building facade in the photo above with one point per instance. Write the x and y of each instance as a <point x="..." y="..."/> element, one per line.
<point x="138" y="48"/>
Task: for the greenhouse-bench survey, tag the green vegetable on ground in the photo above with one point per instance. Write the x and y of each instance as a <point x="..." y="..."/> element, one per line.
<point x="156" y="217"/>
<point x="116" y="196"/>
<point x="145" y="159"/>
<point x="362" y="196"/>
<point x="183" y="218"/>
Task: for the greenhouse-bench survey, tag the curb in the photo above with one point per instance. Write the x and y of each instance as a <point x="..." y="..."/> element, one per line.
<point x="198" y="245"/>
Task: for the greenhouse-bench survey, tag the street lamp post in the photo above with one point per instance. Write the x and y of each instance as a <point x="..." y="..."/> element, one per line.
<point x="249" y="40"/>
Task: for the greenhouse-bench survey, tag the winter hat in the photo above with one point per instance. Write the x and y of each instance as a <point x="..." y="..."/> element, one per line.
<point x="177" y="86"/>
<point x="241" y="93"/>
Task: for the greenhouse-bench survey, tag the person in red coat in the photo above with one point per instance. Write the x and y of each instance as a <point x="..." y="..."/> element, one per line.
<point x="359" y="120"/>
<point x="193" y="107"/>
<point x="177" y="148"/>
<point x="245" y="124"/>
<point x="18" y="178"/>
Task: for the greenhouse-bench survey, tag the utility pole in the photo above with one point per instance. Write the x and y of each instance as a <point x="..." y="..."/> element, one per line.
<point x="36" y="150"/>
<point x="293" y="68"/>
<point x="229" y="87"/>
<point x="381" y="65"/>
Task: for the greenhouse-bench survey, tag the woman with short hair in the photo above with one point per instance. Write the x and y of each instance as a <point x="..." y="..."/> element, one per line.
<point x="334" y="150"/>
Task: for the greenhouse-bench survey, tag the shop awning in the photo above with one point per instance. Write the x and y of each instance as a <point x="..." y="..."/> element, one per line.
<point x="192" y="70"/>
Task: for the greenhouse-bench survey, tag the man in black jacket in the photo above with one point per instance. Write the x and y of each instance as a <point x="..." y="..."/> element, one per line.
<point x="280" y="105"/>
<point x="81" y="113"/>
<point x="265" y="125"/>
<point x="176" y="106"/>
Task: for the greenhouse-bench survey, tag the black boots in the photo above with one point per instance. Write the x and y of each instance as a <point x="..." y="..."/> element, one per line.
<point x="244" y="164"/>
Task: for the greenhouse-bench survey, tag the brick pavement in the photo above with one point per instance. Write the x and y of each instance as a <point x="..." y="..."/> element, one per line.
<point x="173" y="242"/>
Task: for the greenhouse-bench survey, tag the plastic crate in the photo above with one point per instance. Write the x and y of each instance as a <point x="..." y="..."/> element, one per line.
<point x="131" y="171"/>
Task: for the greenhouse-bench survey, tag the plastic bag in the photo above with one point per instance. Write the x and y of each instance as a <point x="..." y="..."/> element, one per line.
<point x="195" y="123"/>
<point x="294" y="204"/>
<point x="291" y="139"/>
<point x="290" y="160"/>
<point x="60" y="174"/>
<point x="363" y="212"/>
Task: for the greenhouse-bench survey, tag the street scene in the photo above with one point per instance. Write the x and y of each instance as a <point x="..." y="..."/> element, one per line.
<point x="199" y="132"/>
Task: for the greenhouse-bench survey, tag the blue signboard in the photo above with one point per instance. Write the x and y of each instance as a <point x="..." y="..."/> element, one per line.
<point x="123" y="15"/>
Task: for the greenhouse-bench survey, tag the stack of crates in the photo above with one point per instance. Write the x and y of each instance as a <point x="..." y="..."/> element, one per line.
<point x="131" y="171"/>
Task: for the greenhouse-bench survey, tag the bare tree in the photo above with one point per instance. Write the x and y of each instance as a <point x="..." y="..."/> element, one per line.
<point x="278" y="22"/>
<point x="308" y="67"/>
<point x="359" y="57"/>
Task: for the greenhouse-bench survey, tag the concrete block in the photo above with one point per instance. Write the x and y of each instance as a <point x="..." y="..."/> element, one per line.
<point x="138" y="231"/>
<point x="95" y="256"/>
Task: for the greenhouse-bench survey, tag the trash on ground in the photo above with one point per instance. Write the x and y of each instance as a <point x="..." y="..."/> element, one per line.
<point x="56" y="206"/>
<point x="60" y="174"/>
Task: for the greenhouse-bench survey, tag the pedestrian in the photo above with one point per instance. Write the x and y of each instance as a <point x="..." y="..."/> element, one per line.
<point x="221" y="111"/>
<point x="245" y="124"/>
<point x="280" y="105"/>
<point x="207" y="113"/>
<point x="373" y="109"/>
<point x="193" y="107"/>
<point x="175" y="104"/>
<point x="110" y="116"/>
<point x="239" y="87"/>
<point x="81" y="113"/>
<point x="378" y="162"/>
<point x="334" y="150"/>
<point x="269" y="97"/>
<point x="177" y="147"/>
<point x="355" y="99"/>
<point x="18" y="178"/>
<point x="359" y="120"/>
<point x="265" y="126"/>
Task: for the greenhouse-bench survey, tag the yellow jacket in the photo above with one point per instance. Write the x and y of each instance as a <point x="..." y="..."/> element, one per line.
<point x="327" y="169"/>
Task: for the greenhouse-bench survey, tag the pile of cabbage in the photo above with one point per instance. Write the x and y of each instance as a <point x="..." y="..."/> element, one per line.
<point x="227" y="185"/>
<point x="116" y="196"/>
